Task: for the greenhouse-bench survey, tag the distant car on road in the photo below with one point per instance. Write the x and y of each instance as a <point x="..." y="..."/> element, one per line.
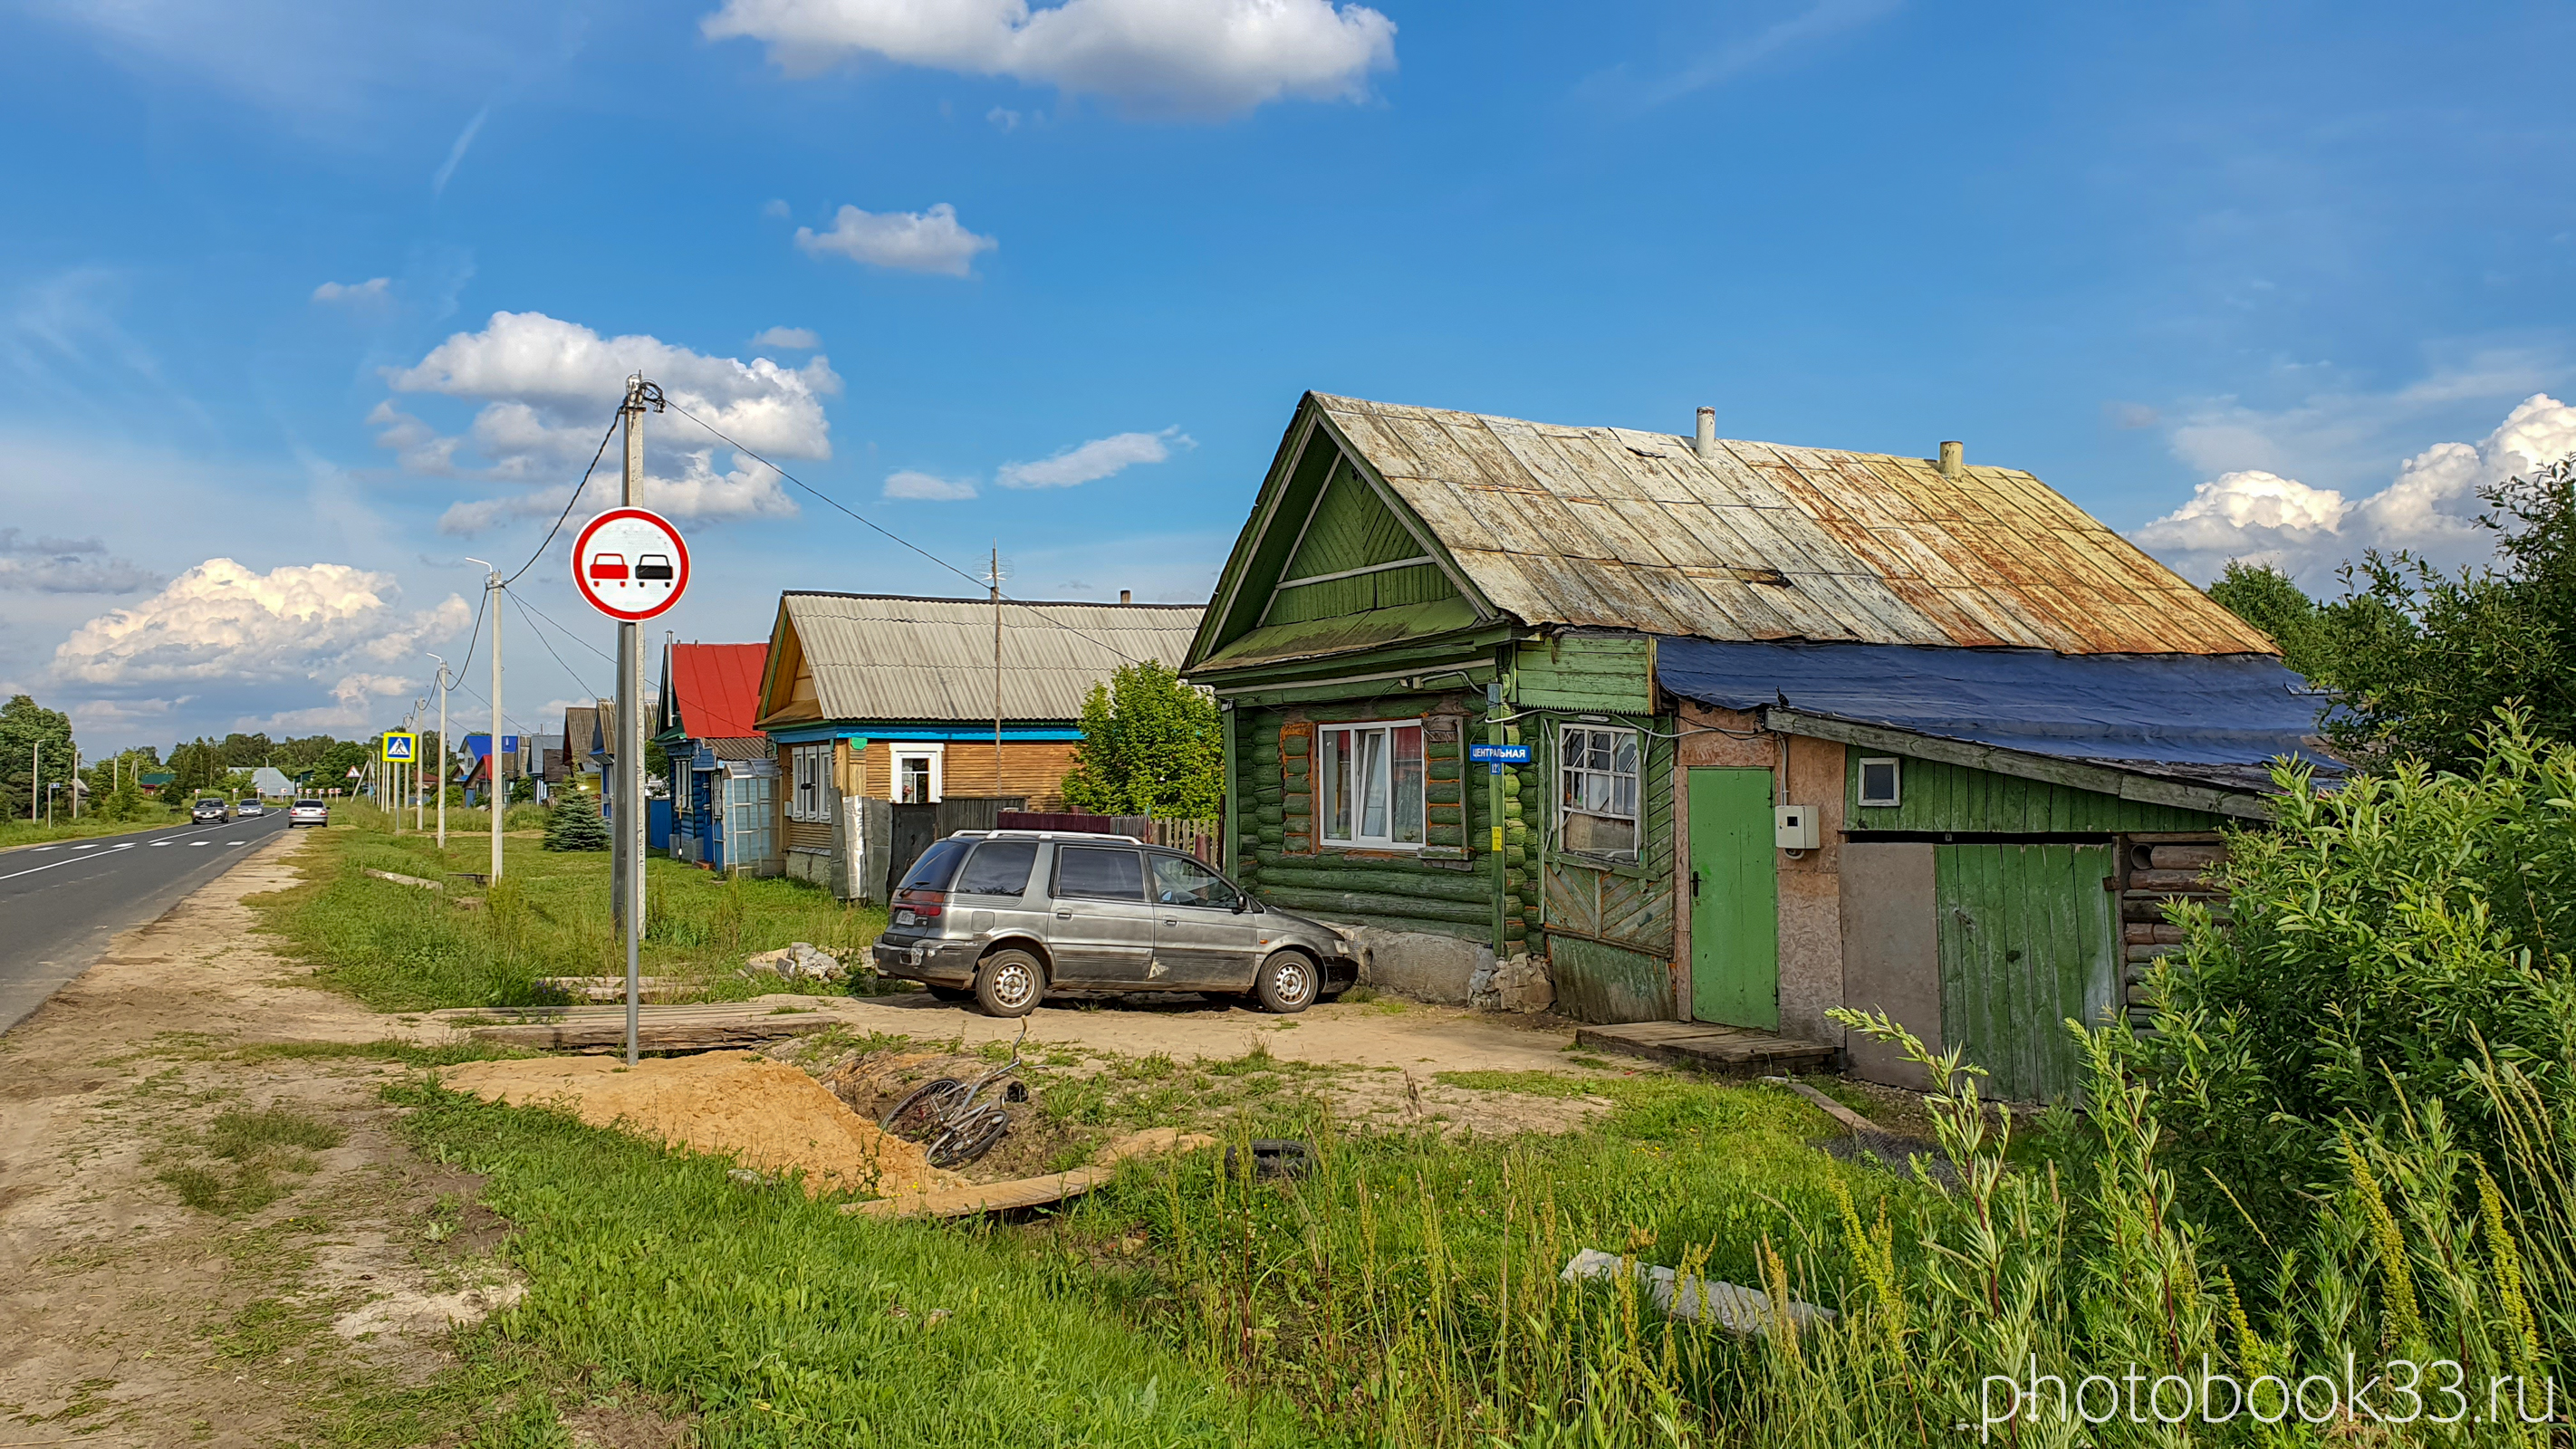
<point x="249" y="808"/>
<point x="1005" y="917"/>
<point x="308" y="812"/>
<point x="210" y="809"/>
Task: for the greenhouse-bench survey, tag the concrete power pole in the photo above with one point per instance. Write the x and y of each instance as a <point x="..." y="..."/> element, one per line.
<point x="36" y="783"/>
<point x="442" y="752"/>
<point x="494" y="794"/>
<point x="629" y="754"/>
<point x="997" y="669"/>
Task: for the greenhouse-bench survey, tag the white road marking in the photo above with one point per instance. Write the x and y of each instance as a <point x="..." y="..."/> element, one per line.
<point x="41" y="849"/>
<point x="201" y="843"/>
<point x="156" y="845"/>
<point x="505" y="766"/>
<point x="93" y="847"/>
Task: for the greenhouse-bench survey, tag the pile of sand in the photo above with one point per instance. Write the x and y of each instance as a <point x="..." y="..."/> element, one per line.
<point x="766" y="1114"/>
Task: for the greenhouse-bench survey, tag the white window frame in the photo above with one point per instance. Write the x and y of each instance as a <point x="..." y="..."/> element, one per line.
<point x="810" y="766"/>
<point x="936" y="753"/>
<point x="1896" y="777"/>
<point x="1355" y="729"/>
<point x="1636" y="780"/>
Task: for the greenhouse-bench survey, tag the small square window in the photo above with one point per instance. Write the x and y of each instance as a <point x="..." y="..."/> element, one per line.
<point x="1879" y="781"/>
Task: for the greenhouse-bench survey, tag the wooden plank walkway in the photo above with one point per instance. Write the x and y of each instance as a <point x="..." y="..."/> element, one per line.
<point x="1709" y="1047"/>
<point x="711" y="1027"/>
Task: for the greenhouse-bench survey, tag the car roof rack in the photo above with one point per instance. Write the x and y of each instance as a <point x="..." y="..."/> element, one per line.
<point x="1043" y="835"/>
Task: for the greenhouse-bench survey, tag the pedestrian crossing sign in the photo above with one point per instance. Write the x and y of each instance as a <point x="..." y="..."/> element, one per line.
<point x="399" y="745"/>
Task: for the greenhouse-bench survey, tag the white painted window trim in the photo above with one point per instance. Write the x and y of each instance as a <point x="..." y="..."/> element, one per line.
<point x="1637" y="821"/>
<point x="903" y="750"/>
<point x="1357" y="841"/>
<point x="1896" y="776"/>
<point x="811" y="765"/>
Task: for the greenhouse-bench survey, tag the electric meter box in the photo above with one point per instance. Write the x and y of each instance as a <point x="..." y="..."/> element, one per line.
<point x="1794" y="827"/>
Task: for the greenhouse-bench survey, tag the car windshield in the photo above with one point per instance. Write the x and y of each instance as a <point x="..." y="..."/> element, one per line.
<point x="202" y="804"/>
<point x="936" y="866"/>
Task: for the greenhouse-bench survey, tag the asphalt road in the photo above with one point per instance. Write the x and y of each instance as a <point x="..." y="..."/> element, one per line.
<point x="60" y="903"/>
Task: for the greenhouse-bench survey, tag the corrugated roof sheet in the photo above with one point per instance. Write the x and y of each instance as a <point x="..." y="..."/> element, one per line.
<point x="1611" y="528"/>
<point x="718" y="688"/>
<point x="885" y="657"/>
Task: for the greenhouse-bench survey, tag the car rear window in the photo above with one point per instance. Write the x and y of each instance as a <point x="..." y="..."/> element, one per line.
<point x="318" y="805"/>
<point x="937" y="864"/>
<point x="1109" y="875"/>
<point x="998" y="868"/>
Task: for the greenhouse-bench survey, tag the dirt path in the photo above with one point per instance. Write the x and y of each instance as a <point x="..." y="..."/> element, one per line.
<point x="136" y="1319"/>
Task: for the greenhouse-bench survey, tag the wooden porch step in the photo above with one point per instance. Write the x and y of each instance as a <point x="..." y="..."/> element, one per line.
<point x="711" y="1027"/>
<point x="1708" y="1047"/>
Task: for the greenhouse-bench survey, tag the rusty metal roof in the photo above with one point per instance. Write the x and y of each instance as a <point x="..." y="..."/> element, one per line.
<point x="884" y="657"/>
<point x="1610" y="528"/>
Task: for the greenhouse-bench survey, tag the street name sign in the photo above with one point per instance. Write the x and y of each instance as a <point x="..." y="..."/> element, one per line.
<point x="630" y="564"/>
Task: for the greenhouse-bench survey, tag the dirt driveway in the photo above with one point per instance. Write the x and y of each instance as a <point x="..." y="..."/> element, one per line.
<point x="327" y="1264"/>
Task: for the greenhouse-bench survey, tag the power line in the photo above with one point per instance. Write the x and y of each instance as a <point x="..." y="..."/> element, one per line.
<point x="531" y="617"/>
<point x="577" y="490"/>
<point x="893" y="537"/>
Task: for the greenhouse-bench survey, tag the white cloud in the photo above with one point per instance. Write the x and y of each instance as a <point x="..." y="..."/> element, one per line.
<point x="1003" y="119"/>
<point x="1820" y="22"/>
<point x="373" y="292"/>
<point x="910" y="484"/>
<point x="793" y="339"/>
<point x="1172" y="57"/>
<point x="1096" y="459"/>
<point x="220" y="622"/>
<point x="352" y="707"/>
<point x="548" y="389"/>
<point x="66" y="566"/>
<point x="2430" y="508"/>
<point x="456" y="153"/>
<point x="910" y="241"/>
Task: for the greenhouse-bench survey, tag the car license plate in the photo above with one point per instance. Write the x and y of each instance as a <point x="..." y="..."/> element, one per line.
<point x="903" y="918"/>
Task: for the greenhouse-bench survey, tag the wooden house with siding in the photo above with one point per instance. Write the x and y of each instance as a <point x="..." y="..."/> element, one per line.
<point x="1781" y="729"/>
<point x="899" y="719"/>
<point x="723" y="770"/>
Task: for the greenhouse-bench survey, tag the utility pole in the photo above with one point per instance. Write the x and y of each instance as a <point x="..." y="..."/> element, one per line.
<point x="36" y="783"/>
<point x="997" y="669"/>
<point x="629" y="755"/>
<point x="75" y="782"/>
<point x="442" y="752"/>
<point x="493" y="793"/>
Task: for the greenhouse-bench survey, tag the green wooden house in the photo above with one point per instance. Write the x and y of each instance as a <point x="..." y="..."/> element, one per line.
<point x="1722" y="732"/>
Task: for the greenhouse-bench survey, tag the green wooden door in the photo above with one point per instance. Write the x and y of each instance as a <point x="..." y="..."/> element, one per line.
<point x="1734" y="900"/>
<point x="2026" y="943"/>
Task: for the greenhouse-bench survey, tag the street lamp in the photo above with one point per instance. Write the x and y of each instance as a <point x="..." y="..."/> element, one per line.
<point x="442" y="750"/>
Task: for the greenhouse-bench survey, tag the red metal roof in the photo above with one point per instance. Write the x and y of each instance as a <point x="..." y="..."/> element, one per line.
<point x="717" y="687"/>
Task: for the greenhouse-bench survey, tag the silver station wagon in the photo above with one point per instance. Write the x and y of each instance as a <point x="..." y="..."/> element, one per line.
<point x="1008" y="916"/>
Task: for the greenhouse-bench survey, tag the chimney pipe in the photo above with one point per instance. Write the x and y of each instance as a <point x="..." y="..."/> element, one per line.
<point x="1706" y="444"/>
<point x="1954" y="459"/>
<point x="1126" y="596"/>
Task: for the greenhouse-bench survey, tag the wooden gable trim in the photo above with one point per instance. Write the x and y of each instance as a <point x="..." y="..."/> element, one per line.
<point x="1412" y="521"/>
<point x="1247" y="544"/>
<point x="785" y="665"/>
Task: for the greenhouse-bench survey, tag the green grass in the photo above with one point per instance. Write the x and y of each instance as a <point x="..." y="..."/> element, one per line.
<point x="400" y="948"/>
<point x="778" y="1320"/>
<point x="37" y="832"/>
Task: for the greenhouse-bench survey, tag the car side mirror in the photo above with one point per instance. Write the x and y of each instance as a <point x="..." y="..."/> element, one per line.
<point x="1242" y="904"/>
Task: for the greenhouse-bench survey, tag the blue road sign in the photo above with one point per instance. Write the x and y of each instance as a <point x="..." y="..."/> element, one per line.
<point x="1500" y="754"/>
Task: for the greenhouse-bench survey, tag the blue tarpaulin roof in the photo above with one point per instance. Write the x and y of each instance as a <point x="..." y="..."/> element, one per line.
<point x="2221" y="717"/>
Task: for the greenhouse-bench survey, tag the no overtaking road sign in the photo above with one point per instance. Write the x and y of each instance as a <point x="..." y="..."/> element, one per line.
<point x="630" y="564"/>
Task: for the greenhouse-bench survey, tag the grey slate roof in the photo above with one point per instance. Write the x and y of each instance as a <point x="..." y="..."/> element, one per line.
<point x="887" y="657"/>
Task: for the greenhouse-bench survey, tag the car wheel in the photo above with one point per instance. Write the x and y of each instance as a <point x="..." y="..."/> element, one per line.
<point x="1287" y="983"/>
<point x="952" y="993"/>
<point x="1011" y="983"/>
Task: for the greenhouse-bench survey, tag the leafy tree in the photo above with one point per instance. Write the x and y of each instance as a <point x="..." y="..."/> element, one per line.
<point x="574" y="824"/>
<point x="26" y="729"/>
<point x="1150" y="746"/>
<point x="331" y="763"/>
<point x="2418" y="661"/>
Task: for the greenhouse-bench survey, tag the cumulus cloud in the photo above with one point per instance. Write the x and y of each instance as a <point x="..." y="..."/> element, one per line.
<point x="222" y="622"/>
<point x="792" y="339"/>
<point x="908" y="241"/>
<point x="2431" y="507"/>
<point x="66" y="566"/>
<point x="1202" y="58"/>
<point x="373" y="292"/>
<point x="352" y="707"/>
<point x="547" y="389"/>
<point x="1096" y="459"/>
<point x="910" y="484"/>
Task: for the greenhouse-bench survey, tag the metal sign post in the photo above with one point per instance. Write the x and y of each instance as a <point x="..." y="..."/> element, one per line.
<point x="631" y="564"/>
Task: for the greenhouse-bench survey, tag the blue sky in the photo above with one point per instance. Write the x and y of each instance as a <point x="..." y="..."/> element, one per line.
<point x="2282" y="281"/>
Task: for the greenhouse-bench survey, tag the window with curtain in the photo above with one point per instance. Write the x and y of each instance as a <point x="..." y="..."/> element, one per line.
<point x="1597" y="790"/>
<point x="1369" y="784"/>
